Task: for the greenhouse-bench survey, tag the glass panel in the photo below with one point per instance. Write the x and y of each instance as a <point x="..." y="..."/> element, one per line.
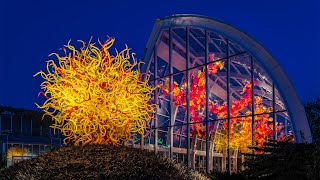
<point x="135" y="139"/>
<point x="240" y="85"/>
<point x="47" y="148"/>
<point x="164" y="141"/>
<point x="181" y="158"/>
<point x="240" y="134"/>
<point x="181" y="115"/>
<point x="234" y="48"/>
<point x="41" y="149"/>
<point x="36" y="150"/>
<point x="148" y="137"/>
<point x="280" y="106"/>
<point x="178" y="49"/>
<point x="263" y="129"/>
<point x="285" y="126"/>
<point x="163" y="112"/>
<point x="217" y="163"/>
<point x="218" y="90"/>
<point x="200" y="163"/>
<point x="150" y="122"/>
<point x="197" y="94"/>
<point x="262" y="90"/>
<point x="180" y="137"/>
<point x="179" y="98"/>
<point x="9" y="154"/>
<point x="196" y="47"/>
<point x="217" y="46"/>
<point x="150" y="68"/>
<point x="14" y="153"/>
<point x="219" y="136"/>
<point x="28" y="150"/>
<point x="162" y="47"/>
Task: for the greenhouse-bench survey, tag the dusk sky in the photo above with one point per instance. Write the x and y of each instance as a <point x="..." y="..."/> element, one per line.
<point x="31" y="30"/>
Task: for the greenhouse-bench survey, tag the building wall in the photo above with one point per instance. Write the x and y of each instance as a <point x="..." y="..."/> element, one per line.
<point x="24" y="134"/>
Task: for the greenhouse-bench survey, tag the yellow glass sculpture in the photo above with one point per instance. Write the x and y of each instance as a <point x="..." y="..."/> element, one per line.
<point x="94" y="97"/>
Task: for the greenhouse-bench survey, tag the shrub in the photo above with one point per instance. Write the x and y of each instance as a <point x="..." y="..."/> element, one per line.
<point x="99" y="162"/>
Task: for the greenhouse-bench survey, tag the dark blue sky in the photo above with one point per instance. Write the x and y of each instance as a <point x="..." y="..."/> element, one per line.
<point x="30" y="31"/>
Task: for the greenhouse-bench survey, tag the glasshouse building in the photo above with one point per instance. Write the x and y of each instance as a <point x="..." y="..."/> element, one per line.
<point x="218" y="91"/>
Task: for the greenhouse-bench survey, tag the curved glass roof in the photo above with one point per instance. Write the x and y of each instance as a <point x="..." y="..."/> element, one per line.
<point x="182" y="48"/>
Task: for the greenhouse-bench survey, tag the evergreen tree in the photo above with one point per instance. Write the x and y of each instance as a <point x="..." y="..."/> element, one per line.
<point x="312" y="109"/>
<point x="284" y="160"/>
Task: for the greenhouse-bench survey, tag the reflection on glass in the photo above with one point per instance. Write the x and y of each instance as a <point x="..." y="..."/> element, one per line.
<point x="286" y="132"/>
<point x="263" y="129"/>
<point x="162" y="48"/>
<point x="164" y="141"/>
<point x="180" y="136"/>
<point x="163" y="104"/>
<point x="217" y="45"/>
<point x="179" y="49"/>
<point x="36" y="150"/>
<point x="148" y="137"/>
<point x="234" y="48"/>
<point x="263" y="88"/>
<point x="196" y="47"/>
<point x="217" y="82"/>
<point x="280" y="106"/>
<point x="151" y="67"/>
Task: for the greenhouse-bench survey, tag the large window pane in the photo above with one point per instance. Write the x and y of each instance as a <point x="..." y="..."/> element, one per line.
<point x="240" y="85"/>
<point x="178" y="49"/>
<point x="163" y="104"/>
<point x="150" y="67"/>
<point x="263" y="129"/>
<point x="262" y="90"/>
<point x="164" y="141"/>
<point x="148" y="138"/>
<point x="217" y="82"/>
<point x="180" y="137"/>
<point x="162" y="48"/>
<point x="217" y="46"/>
<point x="234" y="48"/>
<point x="196" y="47"/>
<point x="280" y="106"/>
<point x="197" y="79"/>
<point x="179" y="98"/>
<point x="285" y="126"/>
<point x="240" y="134"/>
<point x="36" y="149"/>
<point x="28" y="150"/>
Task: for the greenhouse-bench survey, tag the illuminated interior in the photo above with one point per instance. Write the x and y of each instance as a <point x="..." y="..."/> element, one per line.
<point x="204" y="95"/>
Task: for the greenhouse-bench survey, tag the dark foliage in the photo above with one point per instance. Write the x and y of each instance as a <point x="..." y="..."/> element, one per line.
<point x="284" y="160"/>
<point x="226" y="176"/>
<point x="312" y="109"/>
<point x="99" y="162"/>
<point x="2" y="161"/>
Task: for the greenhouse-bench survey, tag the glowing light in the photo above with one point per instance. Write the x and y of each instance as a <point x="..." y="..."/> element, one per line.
<point x="16" y="151"/>
<point x="240" y="130"/>
<point x="94" y="97"/>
